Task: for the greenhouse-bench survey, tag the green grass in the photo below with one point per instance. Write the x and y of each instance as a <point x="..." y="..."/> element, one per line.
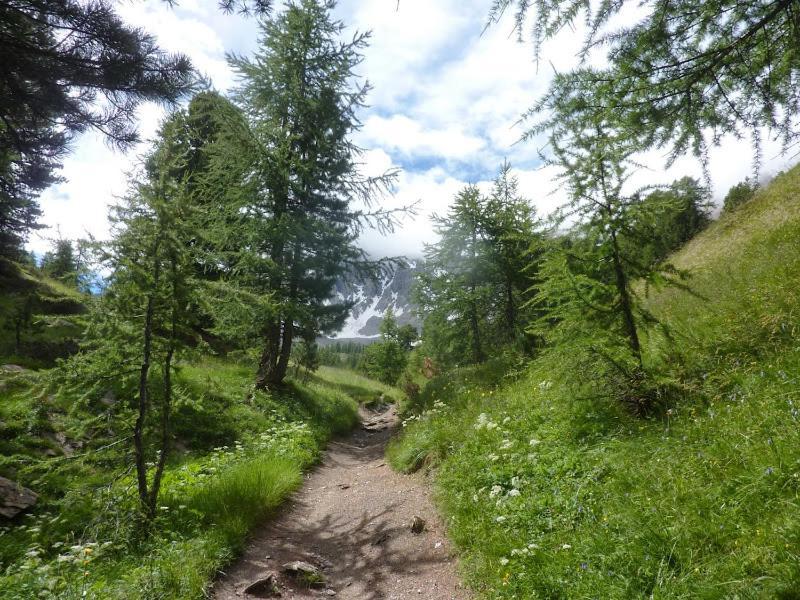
<point x="364" y="390"/>
<point x="553" y="491"/>
<point x="56" y="321"/>
<point x="238" y="456"/>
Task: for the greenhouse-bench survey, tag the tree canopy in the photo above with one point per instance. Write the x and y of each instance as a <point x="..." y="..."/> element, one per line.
<point x="681" y="76"/>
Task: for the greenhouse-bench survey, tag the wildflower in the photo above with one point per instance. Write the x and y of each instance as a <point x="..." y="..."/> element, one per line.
<point x="513" y="493"/>
<point x="565" y="547"/>
<point x="496" y="489"/>
<point x="504" y="561"/>
<point x="506" y="421"/>
<point x="500" y="519"/>
<point x="535" y="442"/>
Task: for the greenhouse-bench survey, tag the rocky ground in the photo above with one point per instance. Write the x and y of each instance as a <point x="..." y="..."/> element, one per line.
<point x="356" y="530"/>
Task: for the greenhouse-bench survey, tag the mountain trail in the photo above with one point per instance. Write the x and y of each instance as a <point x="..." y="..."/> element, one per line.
<point x="355" y="530"/>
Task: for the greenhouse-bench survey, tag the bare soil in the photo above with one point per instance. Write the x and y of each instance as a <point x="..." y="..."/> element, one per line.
<point x="352" y="521"/>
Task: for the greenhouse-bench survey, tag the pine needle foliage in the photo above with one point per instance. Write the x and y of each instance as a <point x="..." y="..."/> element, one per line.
<point x="591" y="281"/>
<point x="300" y="184"/>
<point x="679" y="77"/>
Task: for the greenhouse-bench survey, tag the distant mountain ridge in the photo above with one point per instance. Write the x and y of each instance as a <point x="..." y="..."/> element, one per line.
<point x="372" y="300"/>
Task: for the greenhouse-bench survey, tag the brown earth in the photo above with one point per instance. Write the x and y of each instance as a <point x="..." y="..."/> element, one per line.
<point x="352" y="521"/>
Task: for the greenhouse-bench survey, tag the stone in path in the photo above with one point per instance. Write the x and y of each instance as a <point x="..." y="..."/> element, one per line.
<point x="352" y="522"/>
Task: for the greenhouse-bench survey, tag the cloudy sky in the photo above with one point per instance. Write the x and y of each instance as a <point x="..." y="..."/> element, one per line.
<point x="444" y="108"/>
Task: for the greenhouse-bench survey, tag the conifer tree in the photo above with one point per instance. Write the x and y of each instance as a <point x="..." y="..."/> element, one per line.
<point x="679" y="75"/>
<point x="591" y="305"/>
<point x="67" y="66"/>
<point x="299" y="171"/>
<point x="454" y="289"/>
<point x="143" y="319"/>
<point x="513" y="244"/>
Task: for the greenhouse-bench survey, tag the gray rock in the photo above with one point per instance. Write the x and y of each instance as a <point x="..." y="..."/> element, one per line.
<point x="266" y="585"/>
<point x="304" y="572"/>
<point x="14" y="498"/>
<point x="109" y="399"/>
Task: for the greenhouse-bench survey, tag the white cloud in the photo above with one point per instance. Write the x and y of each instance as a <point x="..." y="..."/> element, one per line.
<point x="445" y="104"/>
<point x="408" y="137"/>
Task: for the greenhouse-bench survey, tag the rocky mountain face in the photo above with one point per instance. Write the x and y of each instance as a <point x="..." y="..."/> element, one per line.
<point x="373" y="298"/>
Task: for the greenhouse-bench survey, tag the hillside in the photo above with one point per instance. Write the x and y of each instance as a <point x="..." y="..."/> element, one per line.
<point x="236" y="457"/>
<point x="40" y="318"/>
<point x="553" y="490"/>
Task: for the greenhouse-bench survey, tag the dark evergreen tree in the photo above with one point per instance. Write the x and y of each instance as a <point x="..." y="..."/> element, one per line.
<point x="67" y="66"/>
<point x="665" y="219"/>
<point x="514" y="247"/>
<point x="387" y="359"/>
<point x="739" y="194"/>
<point x="454" y="289"/>
<point x="299" y="175"/>
<point x="61" y="263"/>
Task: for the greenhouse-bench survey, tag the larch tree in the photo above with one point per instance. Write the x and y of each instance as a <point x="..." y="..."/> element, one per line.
<point x="301" y="171"/>
<point x="679" y="76"/>
<point x="143" y="319"/>
<point x="591" y="281"/>
<point x="454" y="290"/>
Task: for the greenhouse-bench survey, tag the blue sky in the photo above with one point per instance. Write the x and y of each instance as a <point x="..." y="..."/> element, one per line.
<point x="446" y="97"/>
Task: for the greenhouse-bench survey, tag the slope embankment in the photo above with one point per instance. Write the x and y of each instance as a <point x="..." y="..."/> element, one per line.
<point x="550" y="489"/>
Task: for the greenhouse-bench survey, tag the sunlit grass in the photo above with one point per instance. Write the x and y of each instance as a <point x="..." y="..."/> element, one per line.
<point x="553" y="492"/>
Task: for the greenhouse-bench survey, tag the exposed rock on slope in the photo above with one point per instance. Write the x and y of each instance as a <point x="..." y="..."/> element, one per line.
<point x="373" y="298"/>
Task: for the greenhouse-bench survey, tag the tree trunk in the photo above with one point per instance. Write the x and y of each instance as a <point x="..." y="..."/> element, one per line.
<point x="269" y="356"/>
<point x="625" y="302"/>
<point x="477" y="349"/>
<point x="144" y="371"/>
<point x="138" y="428"/>
<point x="511" y="309"/>
<point x="166" y="408"/>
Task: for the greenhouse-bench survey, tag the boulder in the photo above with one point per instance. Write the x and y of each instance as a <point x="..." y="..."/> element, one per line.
<point x="266" y="587"/>
<point x="14" y="498"/>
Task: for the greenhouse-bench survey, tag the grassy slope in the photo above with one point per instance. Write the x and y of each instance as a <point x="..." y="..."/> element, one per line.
<point x="555" y="497"/>
<point x="236" y="462"/>
<point x="56" y="316"/>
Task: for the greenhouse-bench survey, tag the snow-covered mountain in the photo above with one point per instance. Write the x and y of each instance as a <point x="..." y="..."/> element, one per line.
<point x="373" y="298"/>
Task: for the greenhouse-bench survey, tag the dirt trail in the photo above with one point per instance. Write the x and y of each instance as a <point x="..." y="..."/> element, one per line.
<point x="352" y="520"/>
